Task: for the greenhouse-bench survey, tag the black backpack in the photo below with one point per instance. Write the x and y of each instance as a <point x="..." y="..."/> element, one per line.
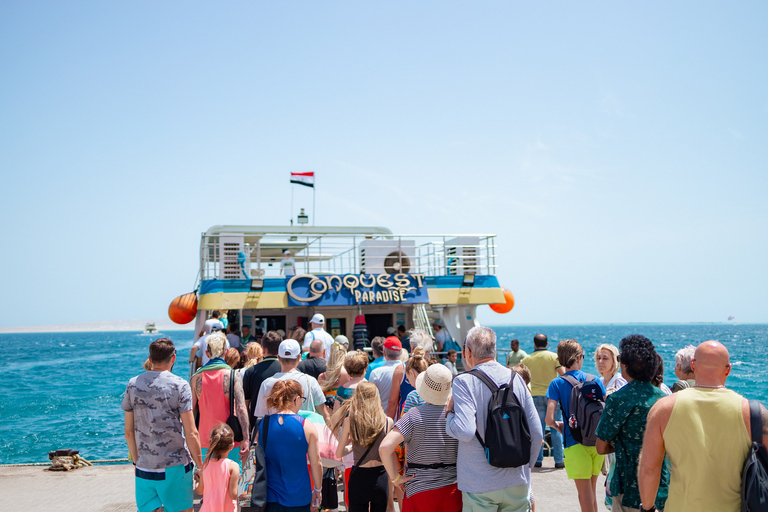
<point x="754" y="485"/>
<point x="507" y="436"/>
<point x="587" y="403"/>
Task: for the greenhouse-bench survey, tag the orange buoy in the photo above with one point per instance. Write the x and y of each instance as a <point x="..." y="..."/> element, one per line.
<point x="507" y="305"/>
<point x="183" y="309"/>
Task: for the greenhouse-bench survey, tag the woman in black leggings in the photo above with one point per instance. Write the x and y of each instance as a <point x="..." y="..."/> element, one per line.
<point x="363" y="426"/>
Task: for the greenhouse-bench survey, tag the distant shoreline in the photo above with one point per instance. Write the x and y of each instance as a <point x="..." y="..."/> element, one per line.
<point x="132" y="325"/>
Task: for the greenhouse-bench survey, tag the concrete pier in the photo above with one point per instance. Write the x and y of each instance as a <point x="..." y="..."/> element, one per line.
<point x="110" y="489"/>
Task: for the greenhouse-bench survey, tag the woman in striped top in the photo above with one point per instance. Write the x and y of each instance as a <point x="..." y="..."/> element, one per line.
<point x="430" y="478"/>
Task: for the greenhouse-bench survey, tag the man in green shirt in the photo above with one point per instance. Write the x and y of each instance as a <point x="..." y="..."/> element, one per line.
<point x="622" y="424"/>
<point x="517" y="355"/>
<point x="544" y="367"/>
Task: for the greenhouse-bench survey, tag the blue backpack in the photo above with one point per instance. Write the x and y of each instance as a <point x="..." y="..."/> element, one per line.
<point x="587" y="404"/>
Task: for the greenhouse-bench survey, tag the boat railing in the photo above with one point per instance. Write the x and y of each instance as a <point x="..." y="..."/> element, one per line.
<point x="258" y="256"/>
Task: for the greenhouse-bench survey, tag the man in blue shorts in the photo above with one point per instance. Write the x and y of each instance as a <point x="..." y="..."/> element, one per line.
<point x="157" y="405"/>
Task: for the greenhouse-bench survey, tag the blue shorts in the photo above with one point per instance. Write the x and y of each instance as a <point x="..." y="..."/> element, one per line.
<point x="171" y="489"/>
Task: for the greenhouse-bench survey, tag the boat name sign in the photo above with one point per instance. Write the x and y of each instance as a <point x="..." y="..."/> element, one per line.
<point x="353" y="289"/>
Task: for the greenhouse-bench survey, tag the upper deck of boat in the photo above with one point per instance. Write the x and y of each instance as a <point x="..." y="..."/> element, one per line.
<point x="255" y="252"/>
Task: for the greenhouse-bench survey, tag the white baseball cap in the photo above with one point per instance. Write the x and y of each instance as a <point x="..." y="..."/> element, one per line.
<point x="287" y="252"/>
<point x="318" y="319"/>
<point x="289" y="349"/>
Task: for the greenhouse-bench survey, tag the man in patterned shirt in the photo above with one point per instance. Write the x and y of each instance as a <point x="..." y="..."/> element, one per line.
<point x="622" y="424"/>
<point x="157" y="405"/>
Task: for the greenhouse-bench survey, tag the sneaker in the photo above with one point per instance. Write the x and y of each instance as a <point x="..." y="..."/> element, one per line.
<point x="559" y="465"/>
<point x="537" y="465"/>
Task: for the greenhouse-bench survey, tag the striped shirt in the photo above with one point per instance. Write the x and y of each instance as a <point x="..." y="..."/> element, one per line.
<point x="412" y="400"/>
<point x="423" y="429"/>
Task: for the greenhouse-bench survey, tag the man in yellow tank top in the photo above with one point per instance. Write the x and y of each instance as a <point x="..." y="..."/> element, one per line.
<point x="705" y="432"/>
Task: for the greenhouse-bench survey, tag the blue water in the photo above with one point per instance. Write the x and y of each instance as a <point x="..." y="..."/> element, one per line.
<point x="63" y="390"/>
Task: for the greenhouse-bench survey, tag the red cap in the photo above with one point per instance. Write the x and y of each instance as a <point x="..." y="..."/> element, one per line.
<point x="360" y="319"/>
<point x="393" y="343"/>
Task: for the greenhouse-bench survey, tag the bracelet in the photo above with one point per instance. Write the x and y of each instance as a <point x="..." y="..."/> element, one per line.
<point x="397" y="478"/>
<point x="450" y="411"/>
<point x="317" y="489"/>
<point x="652" y="509"/>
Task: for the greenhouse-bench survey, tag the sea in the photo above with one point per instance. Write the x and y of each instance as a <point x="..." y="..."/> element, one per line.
<point x="64" y="390"/>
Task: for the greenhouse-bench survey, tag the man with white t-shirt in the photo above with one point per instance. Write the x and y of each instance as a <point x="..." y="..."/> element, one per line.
<point x="288" y="265"/>
<point x="213" y="322"/>
<point x="200" y="348"/>
<point x="314" y="399"/>
<point x="382" y="376"/>
<point x="318" y="333"/>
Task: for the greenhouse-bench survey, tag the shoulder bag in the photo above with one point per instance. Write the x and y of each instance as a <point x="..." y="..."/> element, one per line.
<point x="754" y="485"/>
<point x="233" y="421"/>
<point x="252" y="486"/>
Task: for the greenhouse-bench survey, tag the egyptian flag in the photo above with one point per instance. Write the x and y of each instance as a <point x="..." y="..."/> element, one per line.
<point x="303" y="178"/>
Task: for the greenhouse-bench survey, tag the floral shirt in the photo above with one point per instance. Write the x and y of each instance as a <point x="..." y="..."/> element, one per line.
<point x="623" y="422"/>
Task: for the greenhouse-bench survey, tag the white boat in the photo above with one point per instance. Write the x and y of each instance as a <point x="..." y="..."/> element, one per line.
<point x="150" y="328"/>
<point x="343" y="273"/>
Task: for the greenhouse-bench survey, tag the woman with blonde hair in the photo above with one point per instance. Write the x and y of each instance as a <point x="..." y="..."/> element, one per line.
<point x="355" y="364"/>
<point x="255" y="354"/>
<point x="214" y="387"/>
<point x="363" y="426"/>
<point x="415" y="366"/>
<point x="334" y="374"/>
<point x="287" y="440"/>
<point x="607" y="361"/>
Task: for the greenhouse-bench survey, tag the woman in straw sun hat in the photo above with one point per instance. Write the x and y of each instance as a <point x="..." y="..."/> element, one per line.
<point x="430" y="477"/>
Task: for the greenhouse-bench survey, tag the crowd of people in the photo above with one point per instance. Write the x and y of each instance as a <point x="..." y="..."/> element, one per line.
<point x="409" y="428"/>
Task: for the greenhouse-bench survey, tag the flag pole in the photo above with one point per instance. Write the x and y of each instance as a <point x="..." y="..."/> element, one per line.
<point x="313" y="203"/>
<point x="291" y="204"/>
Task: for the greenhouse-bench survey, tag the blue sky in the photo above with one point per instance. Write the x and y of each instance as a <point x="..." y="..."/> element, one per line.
<point x="617" y="149"/>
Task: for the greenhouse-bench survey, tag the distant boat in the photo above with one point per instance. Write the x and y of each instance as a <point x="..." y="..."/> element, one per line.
<point x="731" y="317"/>
<point x="150" y="328"/>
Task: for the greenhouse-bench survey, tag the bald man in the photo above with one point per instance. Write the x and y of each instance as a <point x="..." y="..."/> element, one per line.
<point x="705" y="431"/>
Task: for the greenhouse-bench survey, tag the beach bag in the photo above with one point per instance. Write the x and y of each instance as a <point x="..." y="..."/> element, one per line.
<point x="587" y="403"/>
<point x="754" y="485"/>
<point x="252" y="486"/>
<point x="507" y="439"/>
<point x="330" y="492"/>
<point x="233" y="421"/>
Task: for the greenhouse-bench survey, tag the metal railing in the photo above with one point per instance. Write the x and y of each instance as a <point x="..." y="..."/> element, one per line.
<point x="254" y="256"/>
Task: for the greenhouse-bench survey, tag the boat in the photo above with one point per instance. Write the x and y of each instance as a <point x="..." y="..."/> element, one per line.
<point x="349" y="274"/>
<point x="150" y="328"/>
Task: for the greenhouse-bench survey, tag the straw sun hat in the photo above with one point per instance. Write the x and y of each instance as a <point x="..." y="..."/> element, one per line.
<point x="434" y="384"/>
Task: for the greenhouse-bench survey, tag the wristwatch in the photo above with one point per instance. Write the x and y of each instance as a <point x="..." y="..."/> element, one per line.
<point x="643" y="509"/>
